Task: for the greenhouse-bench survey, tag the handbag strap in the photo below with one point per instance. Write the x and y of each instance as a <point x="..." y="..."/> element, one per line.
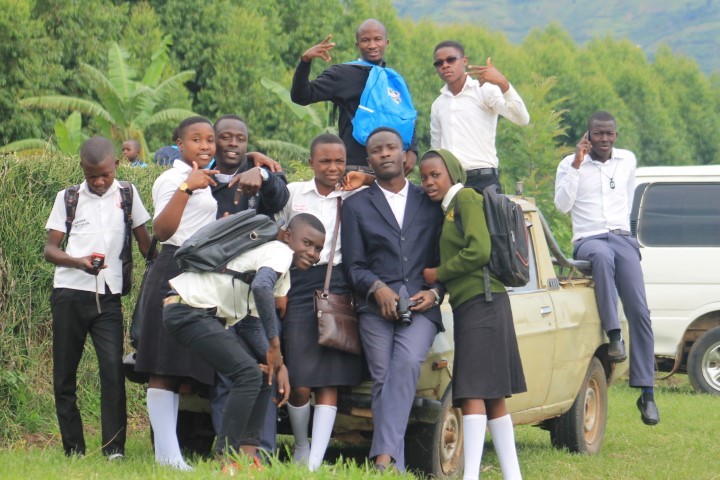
<point x="331" y="259"/>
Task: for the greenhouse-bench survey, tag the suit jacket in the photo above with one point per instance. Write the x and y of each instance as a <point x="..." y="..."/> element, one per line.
<point x="375" y="248"/>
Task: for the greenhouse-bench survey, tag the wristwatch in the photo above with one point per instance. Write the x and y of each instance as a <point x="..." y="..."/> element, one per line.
<point x="184" y="187"/>
<point x="264" y="174"/>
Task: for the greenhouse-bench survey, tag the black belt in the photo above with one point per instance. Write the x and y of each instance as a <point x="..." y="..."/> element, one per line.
<point x="482" y="171"/>
<point x="619" y="231"/>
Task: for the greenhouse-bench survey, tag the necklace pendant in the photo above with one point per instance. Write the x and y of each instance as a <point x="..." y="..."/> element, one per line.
<point x="612" y="184"/>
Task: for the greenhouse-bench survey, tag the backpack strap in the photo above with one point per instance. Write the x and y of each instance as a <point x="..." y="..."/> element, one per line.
<point x="126" y="203"/>
<point x="71" y="201"/>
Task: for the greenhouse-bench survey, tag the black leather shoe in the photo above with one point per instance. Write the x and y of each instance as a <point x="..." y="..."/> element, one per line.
<point x="616" y="351"/>
<point x="648" y="411"/>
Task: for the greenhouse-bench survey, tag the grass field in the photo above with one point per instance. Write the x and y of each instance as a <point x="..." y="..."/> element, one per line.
<point x="683" y="446"/>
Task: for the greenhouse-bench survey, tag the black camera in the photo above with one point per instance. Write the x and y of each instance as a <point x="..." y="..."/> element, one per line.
<point x="403" y="307"/>
<point x="97" y="260"/>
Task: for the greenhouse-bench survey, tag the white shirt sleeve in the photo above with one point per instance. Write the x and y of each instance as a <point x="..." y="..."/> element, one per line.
<point x="435" y="133"/>
<point x="139" y="214"/>
<point x="566" y="185"/>
<point x="508" y="104"/>
<point x="58" y="215"/>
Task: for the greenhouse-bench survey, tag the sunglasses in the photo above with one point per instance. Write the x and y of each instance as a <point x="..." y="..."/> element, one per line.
<point x="448" y="60"/>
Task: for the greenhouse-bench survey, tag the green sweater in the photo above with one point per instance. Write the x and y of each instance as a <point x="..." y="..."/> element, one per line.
<point x="462" y="258"/>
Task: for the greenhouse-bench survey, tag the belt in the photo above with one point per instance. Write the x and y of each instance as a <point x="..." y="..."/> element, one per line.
<point x="621" y="232"/>
<point x="481" y="171"/>
<point x="359" y="168"/>
<point x="173" y="299"/>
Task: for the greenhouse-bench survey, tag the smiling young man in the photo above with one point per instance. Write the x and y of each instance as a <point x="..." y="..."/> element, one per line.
<point x="86" y="299"/>
<point x="596" y="185"/>
<point x="390" y="233"/>
<point x="464" y="117"/>
<point x="343" y="85"/>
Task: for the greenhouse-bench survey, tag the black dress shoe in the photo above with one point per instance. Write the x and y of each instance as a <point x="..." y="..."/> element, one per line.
<point x="648" y="411"/>
<point x="616" y="351"/>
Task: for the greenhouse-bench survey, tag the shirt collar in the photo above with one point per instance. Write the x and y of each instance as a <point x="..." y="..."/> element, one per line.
<point x="401" y="193"/>
<point x="450" y="195"/>
<point x="182" y="166"/>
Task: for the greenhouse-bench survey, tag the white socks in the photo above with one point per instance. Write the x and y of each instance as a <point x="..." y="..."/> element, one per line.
<point x="503" y="437"/>
<point x="323" y="422"/>
<point x="474" y="440"/>
<point x="299" y="421"/>
<point x="162" y="410"/>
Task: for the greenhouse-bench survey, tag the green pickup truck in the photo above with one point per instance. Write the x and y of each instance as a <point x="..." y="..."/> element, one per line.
<point x="564" y="354"/>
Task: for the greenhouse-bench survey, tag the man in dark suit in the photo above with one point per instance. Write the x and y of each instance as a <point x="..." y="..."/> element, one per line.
<point x="390" y="233"/>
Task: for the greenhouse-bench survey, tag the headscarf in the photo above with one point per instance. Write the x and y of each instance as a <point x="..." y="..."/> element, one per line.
<point x="456" y="171"/>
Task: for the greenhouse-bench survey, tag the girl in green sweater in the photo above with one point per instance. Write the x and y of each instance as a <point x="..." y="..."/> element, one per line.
<point x="487" y="366"/>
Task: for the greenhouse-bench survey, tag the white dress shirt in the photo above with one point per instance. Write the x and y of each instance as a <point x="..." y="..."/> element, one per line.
<point x="397" y="202"/>
<point x="588" y="195"/>
<point x="466" y="123"/>
<point x="233" y="298"/>
<point x="200" y="209"/>
<point x="98" y="227"/>
<point x="305" y="198"/>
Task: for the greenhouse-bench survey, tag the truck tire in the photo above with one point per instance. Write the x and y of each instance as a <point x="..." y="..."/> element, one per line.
<point x="582" y="428"/>
<point x="703" y="363"/>
<point x="436" y="449"/>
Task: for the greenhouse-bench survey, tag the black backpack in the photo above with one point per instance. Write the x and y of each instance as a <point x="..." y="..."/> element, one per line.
<point x="126" y="203"/>
<point x="212" y="247"/>
<point x="510" y="250"/>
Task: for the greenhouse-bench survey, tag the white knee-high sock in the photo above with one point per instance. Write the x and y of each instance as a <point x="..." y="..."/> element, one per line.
<point x="176" y="406"/>
<point x="163" y="418"/>
<point x="299" y="421"/>
<point x="473" y="443"/>
<point x="503" y="437"/>
<point x="323" y="421"/>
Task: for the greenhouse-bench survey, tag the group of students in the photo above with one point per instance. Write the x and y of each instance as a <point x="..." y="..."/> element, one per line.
<point x="396" y="239"/>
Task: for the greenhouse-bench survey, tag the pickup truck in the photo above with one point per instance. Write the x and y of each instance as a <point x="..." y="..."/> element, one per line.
<point x="564" y="354"/>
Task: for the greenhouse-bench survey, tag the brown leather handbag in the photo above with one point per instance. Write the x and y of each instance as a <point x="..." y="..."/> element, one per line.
<point x="337" y="318"/>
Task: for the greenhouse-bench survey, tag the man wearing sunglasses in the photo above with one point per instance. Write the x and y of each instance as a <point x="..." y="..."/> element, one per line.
<point x="463" y="118"/>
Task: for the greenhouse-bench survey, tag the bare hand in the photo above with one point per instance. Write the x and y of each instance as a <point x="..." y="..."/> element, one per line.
<point x="488" y="73"/>
<point x="354" y="180"/>
<point x="85" y="264"/>
<point x="274" y="361"/>
<point x="581" y="149"/>
<point x="409" y="164"/>
<point x="198" y="179"/>
<point x="430" y="276"/>
<point x="262" y="160"/>
<point x="321" y="50"/>
<point x="248" y="182"/>
<point x="387" y="299"/>
<point x="283" y="387"/>
<point x="424" y="300"/>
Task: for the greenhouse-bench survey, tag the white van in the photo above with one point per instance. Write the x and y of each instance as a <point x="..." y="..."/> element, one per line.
<point x="676" y="217"/>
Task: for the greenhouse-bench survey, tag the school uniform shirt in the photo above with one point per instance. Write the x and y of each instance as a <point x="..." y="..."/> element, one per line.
<point x="233" y="299"/>
<point x="305" y="198"/>
<point x="599" y="196"/>
<point x="466" y="123"/>
<point x="201" y="207"/>
<point x="98" y="227"/>
<point x="397" y="202"/>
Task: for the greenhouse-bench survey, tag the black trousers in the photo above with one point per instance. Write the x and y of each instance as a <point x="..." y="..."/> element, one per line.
<point x="482" y="181"/>
<point x="228" y="354"/>
<point x="75" y="314"/>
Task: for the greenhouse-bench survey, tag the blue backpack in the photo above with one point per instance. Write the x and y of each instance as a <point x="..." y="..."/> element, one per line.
<point x="385" y="102"/>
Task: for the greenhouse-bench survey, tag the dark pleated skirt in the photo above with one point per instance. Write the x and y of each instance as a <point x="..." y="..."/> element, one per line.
<point x="487" y="360"/>
<point x="310" y="364"/>
<point x="158" y="353"/>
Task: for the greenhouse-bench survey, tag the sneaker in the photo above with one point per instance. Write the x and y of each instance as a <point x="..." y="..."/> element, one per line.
<point x="115" y="456"/>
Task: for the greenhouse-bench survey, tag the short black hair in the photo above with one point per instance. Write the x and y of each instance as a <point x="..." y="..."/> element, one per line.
<point x="132" y="140"/>
<point x="384" y="129"/>
<point x="601" y="116"/>
<point x="452" y="44"/>
<point x="175" y="134"/>
<point x="230" y="116"/>
<point x="95" y="150"/>
<point x="306" y="219"/>
<point x="190" y="121"/>
<point x="325" y="139"/>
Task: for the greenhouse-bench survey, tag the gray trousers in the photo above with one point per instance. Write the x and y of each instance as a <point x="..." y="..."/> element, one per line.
<point x="616" y="270"/>
<point x="394" y="355"/>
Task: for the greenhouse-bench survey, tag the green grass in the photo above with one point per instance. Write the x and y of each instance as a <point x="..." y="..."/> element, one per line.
<point x="683" y="446"/>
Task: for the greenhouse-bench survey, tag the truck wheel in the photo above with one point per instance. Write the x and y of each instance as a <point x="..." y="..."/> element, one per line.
<point x="703" y="363"/>
<point x="437" y="449"/>
<point x="582" y="428"/>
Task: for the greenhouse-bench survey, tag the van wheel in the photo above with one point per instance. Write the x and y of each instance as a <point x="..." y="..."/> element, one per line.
<point x="703" y="363"/>
<point x="582" y="428"/>
<point x="436" y="449"/>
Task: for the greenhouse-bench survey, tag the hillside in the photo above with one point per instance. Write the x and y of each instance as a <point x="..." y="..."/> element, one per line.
<point x="690" y="27"/>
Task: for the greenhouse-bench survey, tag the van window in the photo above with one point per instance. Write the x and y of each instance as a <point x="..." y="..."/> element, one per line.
<point x="680" y="215"/>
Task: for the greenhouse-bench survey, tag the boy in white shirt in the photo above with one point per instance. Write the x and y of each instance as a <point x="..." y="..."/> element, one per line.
<point x="86" y="296"/>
